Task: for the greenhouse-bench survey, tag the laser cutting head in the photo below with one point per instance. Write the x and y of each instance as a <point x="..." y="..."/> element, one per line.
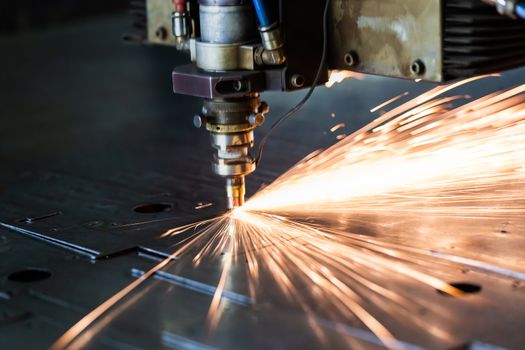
<point x="230" y="59"/>
<point x="231" y="122"/>
<point x="238" y="50"/>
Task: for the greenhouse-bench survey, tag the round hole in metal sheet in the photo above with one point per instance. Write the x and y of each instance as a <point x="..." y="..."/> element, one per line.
<point x="151" y="208"/>
<point x="29" y="275"/>
<point x="465" y="287"/>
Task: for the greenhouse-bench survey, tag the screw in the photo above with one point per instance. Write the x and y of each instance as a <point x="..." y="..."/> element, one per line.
<point x="351" y="58"/>
<point x="198" y="121"/>
<point x="297" y="81"/>
<point x="256" y="119"/>
<point x="238" y="85"/>
<point x="417" y="67"/>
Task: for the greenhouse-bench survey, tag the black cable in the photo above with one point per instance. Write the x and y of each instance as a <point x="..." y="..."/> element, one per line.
<point x="306" y="97"/>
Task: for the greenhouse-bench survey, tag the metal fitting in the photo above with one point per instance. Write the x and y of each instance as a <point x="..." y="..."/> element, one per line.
<point x="231" y="111"/>
<point x="228" y="128"/>
<point x="271" y="53"/>
<point x="271" y="37"/>
<point x="224" y="57"/>
<point x="233" y="157"/>
<point x="231" y="123"/>
<point x="233" y="167"/>
<point x="181" y="24"/>
<point x="269" y="57"/>
<point x="181" y="28"/>
<point x="234" y="144"/>
<point x="256" y="119"/>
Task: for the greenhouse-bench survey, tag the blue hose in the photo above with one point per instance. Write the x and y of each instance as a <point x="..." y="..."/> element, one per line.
<point x="261" y="9"/>
<point x="520" y="10"/>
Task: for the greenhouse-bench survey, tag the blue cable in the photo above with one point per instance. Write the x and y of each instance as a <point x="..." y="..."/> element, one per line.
<point x="520" y="10"/>
<point x="261" y="9"/>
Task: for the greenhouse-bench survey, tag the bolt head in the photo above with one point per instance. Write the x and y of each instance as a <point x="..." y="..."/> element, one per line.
<point x="198" y="121"/>
<point x="256" y="119"/>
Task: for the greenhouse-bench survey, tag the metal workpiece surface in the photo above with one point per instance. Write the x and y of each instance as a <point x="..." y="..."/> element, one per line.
<point x="99" y="159"/>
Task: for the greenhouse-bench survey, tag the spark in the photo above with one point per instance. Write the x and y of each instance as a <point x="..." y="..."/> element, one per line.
<point x="320" y="263"/>
<point x="202" y="205"/>
<point x="337" y="127"/>
<point x="386" y="103"/>
<point x="73" y="334"/>
<point x="305" y="264"/>
<point x="337" y="76"/>
<point x="422" y="160"/>
<point x="408" y="155"/>
<point x="66" y="340"/>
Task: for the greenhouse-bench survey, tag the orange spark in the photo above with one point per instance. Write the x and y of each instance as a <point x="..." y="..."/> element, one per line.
<point x="81" y="326"/>
<point x="202" y="205"/>
<point x="423" y="160"/>
<point x="337" y="127"/>
<point x="337" y="76"/>
<point x="386" y="103"/>
<point x="390" y="157"/>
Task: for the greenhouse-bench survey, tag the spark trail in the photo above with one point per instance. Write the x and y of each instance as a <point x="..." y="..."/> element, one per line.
<point x="422" y="160"/>
<point x="418" y="157"/>
<point x="308" y="264"/>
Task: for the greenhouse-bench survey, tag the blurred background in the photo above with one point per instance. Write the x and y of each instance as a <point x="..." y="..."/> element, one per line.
<point x="16" y="16"/>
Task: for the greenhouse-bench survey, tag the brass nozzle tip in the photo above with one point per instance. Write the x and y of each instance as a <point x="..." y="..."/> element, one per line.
<point x="235" y="191"/>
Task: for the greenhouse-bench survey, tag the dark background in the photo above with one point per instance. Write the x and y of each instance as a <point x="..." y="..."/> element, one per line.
<point x="16" y="16"/>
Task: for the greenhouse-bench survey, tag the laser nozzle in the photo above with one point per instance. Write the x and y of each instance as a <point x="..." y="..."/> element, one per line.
<point x="235" y="191"/>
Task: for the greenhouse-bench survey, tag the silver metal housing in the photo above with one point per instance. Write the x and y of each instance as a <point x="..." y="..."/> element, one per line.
<point x="240" y="22"/>
<point x="224" y="57"/>
<point x="232" y="157"/>
<point x="181" y="24"/>
<point x="271" y="37"/>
